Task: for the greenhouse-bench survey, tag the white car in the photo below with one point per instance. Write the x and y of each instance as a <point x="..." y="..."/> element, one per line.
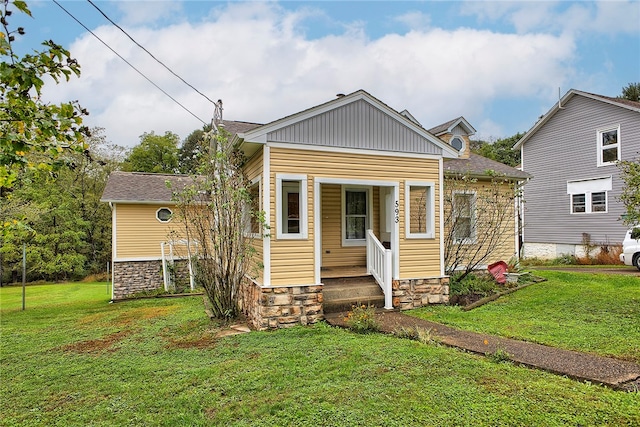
<point x="631" y="248"/>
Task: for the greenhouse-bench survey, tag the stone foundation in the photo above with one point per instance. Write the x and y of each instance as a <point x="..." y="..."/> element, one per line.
<point x="133" y="277"/>
<point x="414" y="293"/>
<point x="280" y="307"/>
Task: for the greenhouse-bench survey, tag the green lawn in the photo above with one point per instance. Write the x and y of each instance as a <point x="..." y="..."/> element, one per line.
<point x="578" y="311"/>
<point x="73" y="359"/>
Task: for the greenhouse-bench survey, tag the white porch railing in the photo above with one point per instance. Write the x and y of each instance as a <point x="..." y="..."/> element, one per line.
<point x="379" y="266"/>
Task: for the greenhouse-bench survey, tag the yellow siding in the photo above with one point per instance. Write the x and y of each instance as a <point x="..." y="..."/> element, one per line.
<point x="506" y="248"/>
<point x="333" y="253"/>
<point x="253" y="169"/>
<point x="139" y="233"/>
<point x="292" y="261"/>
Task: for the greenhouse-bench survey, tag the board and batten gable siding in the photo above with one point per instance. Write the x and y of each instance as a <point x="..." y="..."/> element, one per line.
<point x="565" y="149"/>
<point x="357" y="125"/>
<point x="139" y="233"/>
<point x="292" y="261"/>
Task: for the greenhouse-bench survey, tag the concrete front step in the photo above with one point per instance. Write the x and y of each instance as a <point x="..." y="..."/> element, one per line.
<point x="343" y="293"/>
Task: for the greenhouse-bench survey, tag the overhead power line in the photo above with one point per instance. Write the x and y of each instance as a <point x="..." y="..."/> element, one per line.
<point x="129" y="64"/>
<point x="149" y="53"/>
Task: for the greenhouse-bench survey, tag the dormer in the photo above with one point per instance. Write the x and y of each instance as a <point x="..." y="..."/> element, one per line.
<point x="456" y="133"/>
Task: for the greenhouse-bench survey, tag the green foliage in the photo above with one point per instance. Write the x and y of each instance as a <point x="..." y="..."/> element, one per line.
<point x="630" y="197"/>
<point x="481" y="284"/>
<point x="27" y="124"/>
<point x="74" y="359"/>
<point x="192" y="150"/>
<point x="154" y="154"/>
<point x="362" y="319"/>
<point x="414" y="333"/>
<point x="65" y="226"/>
<point x="500" y="150"/>
<point x="631" y="92"/>
<point x="635" y="233"/>
<point x="500" y="355"/>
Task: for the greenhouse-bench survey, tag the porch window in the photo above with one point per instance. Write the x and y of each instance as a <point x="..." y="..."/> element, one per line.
<point x="420" y="210"/>
<point x="464" y="214"/>
<point x="355" y="215"/>
<point x="291" y="206"/>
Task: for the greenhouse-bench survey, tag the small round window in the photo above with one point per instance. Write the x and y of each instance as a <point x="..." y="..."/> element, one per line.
<point x="457" y="143"/>
<point x="164" y="214"/>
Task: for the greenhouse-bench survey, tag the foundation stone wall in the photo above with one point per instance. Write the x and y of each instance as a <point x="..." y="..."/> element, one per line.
<point x="280" y="307"/>
<point x="414" y="293"/>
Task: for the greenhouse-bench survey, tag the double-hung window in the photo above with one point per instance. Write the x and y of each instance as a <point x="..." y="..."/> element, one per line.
<point x="291" y="206"/>
<point x="464" y="216"/>
<point x="420" y="210"/>
<point x="608" y="146"/>
<point x="589" y="195"/>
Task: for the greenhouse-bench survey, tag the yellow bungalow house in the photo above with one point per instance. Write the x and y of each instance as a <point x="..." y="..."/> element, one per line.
<point x="349" y="187"/>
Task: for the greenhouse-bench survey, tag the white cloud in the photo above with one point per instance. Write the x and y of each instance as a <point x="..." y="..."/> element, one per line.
<point x="253" y="57"/>
<point x="415" y="20"/>
<point x="602" y="17"/>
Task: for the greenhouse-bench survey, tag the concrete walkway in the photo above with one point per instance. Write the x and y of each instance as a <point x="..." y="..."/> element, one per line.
<point x="611" y="372"/>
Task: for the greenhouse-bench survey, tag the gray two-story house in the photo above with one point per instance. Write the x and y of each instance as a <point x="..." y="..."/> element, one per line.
<point x="572" y="153"/>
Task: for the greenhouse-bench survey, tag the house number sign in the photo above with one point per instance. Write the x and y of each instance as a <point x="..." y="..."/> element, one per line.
<point x="396" y="212"/>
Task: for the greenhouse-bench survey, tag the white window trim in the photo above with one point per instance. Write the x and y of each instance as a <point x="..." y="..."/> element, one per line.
<point x="462" y="148"/>
<point x="304" y="226"/>
<point x="588" y="187"/>
<point x="473" y="239"/>
<point x="248" y="233"/>
<point x="588" y="203"/>
<point x="600" y="147"/>
<point x="369" y="192"/>
<point x="429" y="210"/>
<point x="167" y="221"/>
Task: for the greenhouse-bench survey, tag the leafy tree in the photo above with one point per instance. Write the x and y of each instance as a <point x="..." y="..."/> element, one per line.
<point x="192" y="149"/>
<point x="631" y="92"/>
<point x="154" y="154"/>
<point x="215" y="211"/>
<point x="27" y="124"/>
<point x="501" y="150"/>
<point x="66" y="227"/>
<point x="630" y="197"/>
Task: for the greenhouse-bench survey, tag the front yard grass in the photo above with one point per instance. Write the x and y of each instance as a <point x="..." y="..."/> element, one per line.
<point x="594" y="313"/>
<point x="73" y="359"/>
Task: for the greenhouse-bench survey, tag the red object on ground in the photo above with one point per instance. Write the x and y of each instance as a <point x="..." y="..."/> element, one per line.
<point x="497" y="270"/>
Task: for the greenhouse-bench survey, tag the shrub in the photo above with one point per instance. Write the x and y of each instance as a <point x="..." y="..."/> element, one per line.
<point x="362" y="318"/>
<point x="472" y="284"/>
<point x="414" y="333"/>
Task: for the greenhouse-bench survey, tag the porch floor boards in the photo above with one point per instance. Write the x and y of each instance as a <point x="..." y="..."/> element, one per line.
<point x="340" y="272"/>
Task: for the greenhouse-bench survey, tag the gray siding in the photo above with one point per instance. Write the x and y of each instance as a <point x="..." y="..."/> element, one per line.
<point x="356" y="125"/>
<point x="459" y="130"/>
<point x="565" y="149"/>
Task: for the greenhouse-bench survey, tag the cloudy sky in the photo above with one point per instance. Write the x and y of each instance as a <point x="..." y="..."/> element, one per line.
<point x="499" y="64"/>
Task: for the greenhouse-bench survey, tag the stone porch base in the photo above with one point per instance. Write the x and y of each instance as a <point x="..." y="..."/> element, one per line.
<point x="280" y="307"/>
<point x="414" y="293"/>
